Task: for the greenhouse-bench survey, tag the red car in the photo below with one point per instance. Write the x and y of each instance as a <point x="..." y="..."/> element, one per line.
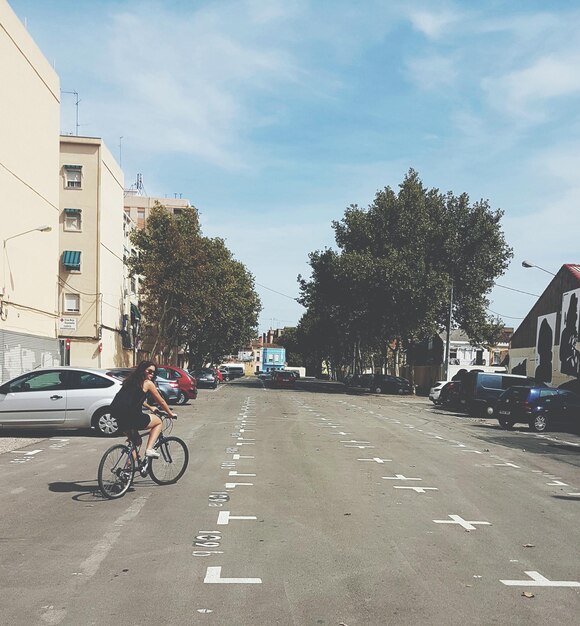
<point x="283" y="379"/>
<point x="186" y="383"/>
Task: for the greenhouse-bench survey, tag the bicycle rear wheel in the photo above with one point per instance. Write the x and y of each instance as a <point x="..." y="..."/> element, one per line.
<point x="116" y="471"/>
<point x="172" y="463"/>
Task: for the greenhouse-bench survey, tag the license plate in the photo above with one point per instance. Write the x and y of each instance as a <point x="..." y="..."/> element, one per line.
<point x="504" y="412"/>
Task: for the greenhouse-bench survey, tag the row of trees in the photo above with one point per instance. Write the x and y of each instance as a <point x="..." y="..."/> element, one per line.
<point x="389" y="284"/>
<point x="193" y="293"/>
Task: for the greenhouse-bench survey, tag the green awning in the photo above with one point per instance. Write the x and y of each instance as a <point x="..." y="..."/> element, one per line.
<point x="73" y="167"/>
<point x="71" y="259"/>
<point x="72" y="211"/>
<point x="135" y="314"/>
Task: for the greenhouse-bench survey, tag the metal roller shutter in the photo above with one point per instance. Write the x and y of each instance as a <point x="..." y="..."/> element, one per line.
<point x="21" y="353"/>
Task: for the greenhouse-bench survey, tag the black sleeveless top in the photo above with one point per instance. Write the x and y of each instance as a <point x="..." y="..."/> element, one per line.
<point x="128" y="402"/>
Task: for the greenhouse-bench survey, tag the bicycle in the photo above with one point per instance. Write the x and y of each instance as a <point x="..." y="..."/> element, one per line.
<point x="121" y="462"/>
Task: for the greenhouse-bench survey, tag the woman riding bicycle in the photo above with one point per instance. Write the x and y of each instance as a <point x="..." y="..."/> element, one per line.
<point x="127" y="405"/>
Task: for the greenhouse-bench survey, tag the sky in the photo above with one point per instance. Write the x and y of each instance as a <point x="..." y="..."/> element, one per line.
<point x="273" y="116"/>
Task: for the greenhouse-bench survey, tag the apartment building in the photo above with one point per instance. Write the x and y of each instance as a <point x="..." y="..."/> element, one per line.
<point x="138" y="206"/>
<point x="29" y="201"/>
<point x="94" y="289"/>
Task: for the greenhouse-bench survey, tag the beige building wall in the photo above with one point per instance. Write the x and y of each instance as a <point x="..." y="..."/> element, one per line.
<point x="139" y="207"/>
<point x="96" y="199"/>
<point x="29" y="135"/>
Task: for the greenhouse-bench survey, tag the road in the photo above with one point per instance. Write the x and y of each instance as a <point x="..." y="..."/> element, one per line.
<point x="300" y="507"/>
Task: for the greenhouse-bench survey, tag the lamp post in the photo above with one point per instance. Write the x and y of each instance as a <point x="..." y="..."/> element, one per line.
<point x="528" y="264"/>
<point x="42" y="229"/>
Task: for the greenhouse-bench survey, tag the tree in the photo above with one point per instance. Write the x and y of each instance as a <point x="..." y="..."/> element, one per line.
<point x="193" y="293"/>
<point x="390" y="281"/>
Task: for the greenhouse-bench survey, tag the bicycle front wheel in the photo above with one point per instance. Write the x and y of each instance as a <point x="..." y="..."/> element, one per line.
<point x="172" y="462"/>
<point x="116" y="471"/>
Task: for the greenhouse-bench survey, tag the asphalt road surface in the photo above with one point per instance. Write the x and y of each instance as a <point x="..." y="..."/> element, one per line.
<point x="299" y="507"/>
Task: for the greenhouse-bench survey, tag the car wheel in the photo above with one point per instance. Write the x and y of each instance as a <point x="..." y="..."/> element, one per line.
<point x="539" y="423"/>
<point x="505" y="423"/>
<point x="401" y="392"/>
<point x="378" y="390"/>
<point x="181" y="398"/>
<point x="104" y="423"/>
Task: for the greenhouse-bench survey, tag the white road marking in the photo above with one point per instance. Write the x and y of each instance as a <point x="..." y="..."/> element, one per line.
<point x="91" y="564"/>
<point x="376" y="460"/>
<point x="224" y="517"/>
<point x="234" y="485"/>
<point x="399" y="477"/>
<point x="558" y="483"/>
<point x="235" y="473"/>
<point x="29" y="453"/>
<point x="507" y="465"/>
<point x="474" y="451"/>
<point x="457" y="519"/>
<point x="213" y="576"/>
<point x="573" y="494"/>
<point x="17" y="490"/>
<point x="417" y="489"/>
<point x="354" y="441"/>
<point x="237" y="457"/>
<point x="359" y="447"/>
<point x="540" y="581"/>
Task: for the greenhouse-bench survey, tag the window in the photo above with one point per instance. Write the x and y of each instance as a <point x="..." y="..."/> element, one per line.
<point x="453" y="353"/>
<point x="72" y="219"/>
<point x="72" y="303"/>
<point x="39" y="381"/>
<point x="88" y="380"/>
<point x="73" y="176"/>
<point x="71" y="259"/>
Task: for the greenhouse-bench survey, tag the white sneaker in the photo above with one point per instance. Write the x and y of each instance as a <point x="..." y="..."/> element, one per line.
<point x="152" y="454"/>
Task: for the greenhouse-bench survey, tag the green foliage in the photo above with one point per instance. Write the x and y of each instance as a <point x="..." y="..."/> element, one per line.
<point x="390" y="281"/>
<point x="193" y="293"/>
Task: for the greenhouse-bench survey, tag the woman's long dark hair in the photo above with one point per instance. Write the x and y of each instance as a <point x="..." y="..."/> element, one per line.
<point x="137" y="377"/>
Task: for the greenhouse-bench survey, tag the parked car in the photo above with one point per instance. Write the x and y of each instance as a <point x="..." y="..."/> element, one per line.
<point x="206" y="378"/>
<point x="360" y="380"/>
<point x="539" y="407"/>
<point x="435" y="391"/>
<point x="481" y="390"/>
<point x="384" y="383"/>
<point x="233" y="371"/>
<point x="282" y="379"/>
<point x="185" y="381"/>
<point x="167" y="388"/>
<point x="450" y="395"/>
<point x="59" y="397"/>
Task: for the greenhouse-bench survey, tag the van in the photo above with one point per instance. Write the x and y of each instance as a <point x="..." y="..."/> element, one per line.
<point x="481" y="390"/>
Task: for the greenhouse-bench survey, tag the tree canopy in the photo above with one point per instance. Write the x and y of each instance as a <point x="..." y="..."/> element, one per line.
<point x="389" y="283"/>
<point x="193" y="293"/>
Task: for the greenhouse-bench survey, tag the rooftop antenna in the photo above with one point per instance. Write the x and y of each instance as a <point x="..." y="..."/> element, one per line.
<point x="77" y="101"/>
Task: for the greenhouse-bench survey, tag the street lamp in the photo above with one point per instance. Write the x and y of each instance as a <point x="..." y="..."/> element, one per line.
<point x="527" y="264"/>
<point x="42" y="229"/>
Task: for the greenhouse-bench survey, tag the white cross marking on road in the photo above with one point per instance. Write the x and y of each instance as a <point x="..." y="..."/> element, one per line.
<point x="558" y="483"/>
<point x="244" y="439"/>
<point x="213" y="576"/>
<point x="399" y="477"/>
<point x="540" y="581"/>
<point x="341" y="433"/>
<point x="417" y="489"/>
<point x="354" y="441"/>
<point x="573" y="494"/>
<point x="474" y="451"/>
<point x="237" y="457"/>
<point x="507" y="465"/>
<point x="224" y="517"/>
<point x="359" y="447"/>
<point x="457" y="519"/>
<point x="245" y="443"/>
<point x="234" y="485"/>
<point x="375" y="459"/>
<point x="29" y="453"/>
<point x="235" y="473"/>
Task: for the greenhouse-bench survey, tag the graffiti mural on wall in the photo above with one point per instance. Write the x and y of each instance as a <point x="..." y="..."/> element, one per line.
<point x="569" y="355"/>
<point x="544" y="343"/>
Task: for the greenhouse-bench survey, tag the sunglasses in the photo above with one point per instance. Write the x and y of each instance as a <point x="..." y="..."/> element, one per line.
<point x="150" y="371"/>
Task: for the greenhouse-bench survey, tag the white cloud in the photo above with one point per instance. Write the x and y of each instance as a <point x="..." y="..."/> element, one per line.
<point x="433" y="24"/>
<point x="432" y="72"/>
<point x="524" y="92"/>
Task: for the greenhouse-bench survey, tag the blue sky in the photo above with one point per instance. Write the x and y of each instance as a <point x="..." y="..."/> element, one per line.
<point x="272" y="117"/>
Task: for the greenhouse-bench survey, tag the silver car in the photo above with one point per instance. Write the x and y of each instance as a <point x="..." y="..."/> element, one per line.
<point x="169" y="389"/>
<point x="59" y="397"/>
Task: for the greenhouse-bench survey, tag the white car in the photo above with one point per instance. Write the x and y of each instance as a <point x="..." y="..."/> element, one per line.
<point x="436" y="390"/>
<point x="59" y="397"/>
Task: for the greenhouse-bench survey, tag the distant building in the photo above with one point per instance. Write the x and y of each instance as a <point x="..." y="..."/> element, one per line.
<point x="271" y="358"/>
<point x="138" y="206"/>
